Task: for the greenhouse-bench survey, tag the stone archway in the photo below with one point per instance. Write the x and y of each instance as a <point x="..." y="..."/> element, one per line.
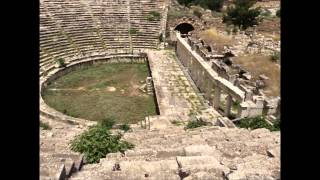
<point x="184" y="28"/>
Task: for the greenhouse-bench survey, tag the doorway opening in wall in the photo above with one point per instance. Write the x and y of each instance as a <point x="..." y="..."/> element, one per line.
<point x="184" y="28"/>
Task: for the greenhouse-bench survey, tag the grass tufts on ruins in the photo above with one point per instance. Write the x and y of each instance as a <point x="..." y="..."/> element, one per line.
<point x="258" y="122"/>
<point x="45" y="126"/>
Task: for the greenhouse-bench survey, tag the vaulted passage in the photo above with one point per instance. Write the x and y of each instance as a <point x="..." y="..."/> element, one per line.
<point x="184" y="28"/>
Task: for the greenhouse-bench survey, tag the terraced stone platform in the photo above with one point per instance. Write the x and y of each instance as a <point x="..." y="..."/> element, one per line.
<point x="203" y="153"/>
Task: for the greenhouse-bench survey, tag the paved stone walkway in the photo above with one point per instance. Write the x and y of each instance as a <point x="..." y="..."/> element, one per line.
<point x="177" y="97"/>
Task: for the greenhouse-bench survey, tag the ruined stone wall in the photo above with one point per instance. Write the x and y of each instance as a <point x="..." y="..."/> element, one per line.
<point x="208" y="77"/>
<point x="202" y="74"/>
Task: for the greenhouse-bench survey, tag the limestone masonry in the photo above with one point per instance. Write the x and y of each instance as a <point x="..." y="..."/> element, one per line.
<point x="189" y="81"/>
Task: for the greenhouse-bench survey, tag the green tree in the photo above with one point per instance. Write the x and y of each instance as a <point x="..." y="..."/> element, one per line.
<point x="242" y="14"/>
<point x="215" y="5"/>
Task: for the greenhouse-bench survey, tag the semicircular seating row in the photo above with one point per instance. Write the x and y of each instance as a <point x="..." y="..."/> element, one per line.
<point x="70" y="28"/>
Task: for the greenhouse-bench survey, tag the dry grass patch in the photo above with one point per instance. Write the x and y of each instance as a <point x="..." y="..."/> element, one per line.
<point x="216" y="39"/>
<point x="257" y="65"/>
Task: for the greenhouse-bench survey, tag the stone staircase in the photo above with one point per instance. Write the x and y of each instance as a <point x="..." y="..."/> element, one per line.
<point x="149" y="85"/>
<point x="203" y="153"/>
<point x="57" y="161"/>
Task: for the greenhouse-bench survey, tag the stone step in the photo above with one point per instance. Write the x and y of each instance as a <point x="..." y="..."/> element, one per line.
<point x="68" y="163"/>
<point x="195" y="164"/>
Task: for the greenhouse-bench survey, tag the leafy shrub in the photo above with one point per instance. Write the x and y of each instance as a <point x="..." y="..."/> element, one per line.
<point x="257" y="122"/>
<point x="97" y="142"/>
<point x="195" y="123"/>
<point x="125" y="127"/>
<point x="197" y="13"/>
<point x="44" y="126"/>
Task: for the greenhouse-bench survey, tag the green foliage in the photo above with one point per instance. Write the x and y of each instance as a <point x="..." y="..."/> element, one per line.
<point x="107" y="122"/>
<point x="61" y="62"/>
<point x="258" y="122"/>
<point x="275" y="56"/>
<point x="195" y="123"/>
<point x="97" y="142"/>
<point x="125" y="127"/>
<point x="44" y="126"/>
<point x="133" y="31"/>
<point x="153" y="16"/>
<point x="197" y="13"/>
<point x="242" y="14"/>
<point x="278" y="14"/>
<point x="276" y="125"/>
<point x="215" y="5"/>
<point x="161" y="37"/>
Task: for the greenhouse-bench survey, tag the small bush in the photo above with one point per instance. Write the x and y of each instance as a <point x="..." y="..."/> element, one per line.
<point x="153" y="16"/>
<point x="125" y="127"/>
<point x="257" y="122"/>
<point x="133" y="31"/>
<point x="97" y="142"/>
<point x="61" y="62"/>
<point x="107" y="123"/>
<point x="275" y="57"/>
<point x="242" y="14"/>
<point x="195" y="123"/>
<point x="44" y="126"/>
<point x="160" y="37"/>
<point x="235" y="30"/>
<point x="278" y="14"/>
<point x="197" y="13"/>
<point x="276" y="125"/>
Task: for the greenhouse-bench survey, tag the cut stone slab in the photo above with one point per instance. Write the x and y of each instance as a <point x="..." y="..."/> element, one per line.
<point x="201" y="163"/>
<point x="199" y="150"/>
<point x="263" y="77"/>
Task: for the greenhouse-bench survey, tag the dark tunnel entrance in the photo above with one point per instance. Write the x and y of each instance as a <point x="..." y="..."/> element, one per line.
<point x="184" y="28"/>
